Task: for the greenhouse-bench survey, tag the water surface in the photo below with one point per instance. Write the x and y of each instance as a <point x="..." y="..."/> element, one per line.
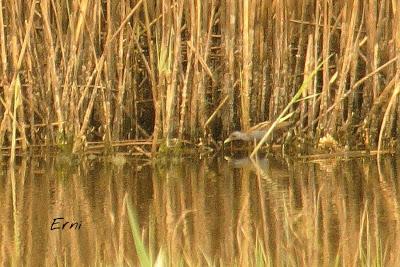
<point x="201" y="212"/>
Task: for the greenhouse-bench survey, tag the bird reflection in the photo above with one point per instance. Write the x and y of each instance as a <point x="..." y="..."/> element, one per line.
<point x="268" y="167"/>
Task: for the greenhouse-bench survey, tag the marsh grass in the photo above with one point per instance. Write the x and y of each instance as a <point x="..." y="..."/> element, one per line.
<point x="142" y="254"/>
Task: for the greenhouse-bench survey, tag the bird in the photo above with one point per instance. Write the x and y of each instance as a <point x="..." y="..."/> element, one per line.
<point x="257" y="132"/>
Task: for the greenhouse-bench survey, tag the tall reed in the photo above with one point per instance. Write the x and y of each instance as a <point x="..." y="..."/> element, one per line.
<point x="109" y="71"/>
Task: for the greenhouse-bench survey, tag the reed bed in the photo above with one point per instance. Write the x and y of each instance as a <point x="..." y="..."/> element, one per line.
<point x="80" y="71"/>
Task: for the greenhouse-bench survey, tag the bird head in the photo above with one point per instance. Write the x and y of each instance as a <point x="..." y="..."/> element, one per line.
<point x="236" y="136"/>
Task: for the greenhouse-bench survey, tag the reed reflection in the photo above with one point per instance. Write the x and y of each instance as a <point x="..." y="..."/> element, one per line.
<point x="202" y="212"/>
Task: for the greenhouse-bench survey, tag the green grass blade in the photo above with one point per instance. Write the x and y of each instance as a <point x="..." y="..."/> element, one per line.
<point x="144" y="259"/>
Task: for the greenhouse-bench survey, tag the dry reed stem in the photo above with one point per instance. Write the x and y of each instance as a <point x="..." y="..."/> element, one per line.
<point x="216" y="111"/>
<point x="173" y="83"/>
<point x="131" y="52"/>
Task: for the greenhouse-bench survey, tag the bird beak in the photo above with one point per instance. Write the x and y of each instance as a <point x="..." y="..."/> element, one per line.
<point x="227" y="158"/>
<point x="227" y="140"/>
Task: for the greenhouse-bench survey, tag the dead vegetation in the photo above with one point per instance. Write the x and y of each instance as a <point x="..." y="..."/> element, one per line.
<point x="80" y="71"/>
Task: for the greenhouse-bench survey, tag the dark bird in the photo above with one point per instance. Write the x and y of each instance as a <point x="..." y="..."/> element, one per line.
<point x="257" y="132"/>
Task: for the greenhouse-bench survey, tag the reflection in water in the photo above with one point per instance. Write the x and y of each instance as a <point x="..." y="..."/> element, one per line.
<point x="201" y="212"/>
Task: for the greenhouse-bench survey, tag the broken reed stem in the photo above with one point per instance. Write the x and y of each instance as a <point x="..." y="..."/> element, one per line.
<point x="213" y="115"/>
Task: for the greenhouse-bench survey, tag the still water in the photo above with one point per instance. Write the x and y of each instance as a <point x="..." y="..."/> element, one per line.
<point x="209" y="212"/>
